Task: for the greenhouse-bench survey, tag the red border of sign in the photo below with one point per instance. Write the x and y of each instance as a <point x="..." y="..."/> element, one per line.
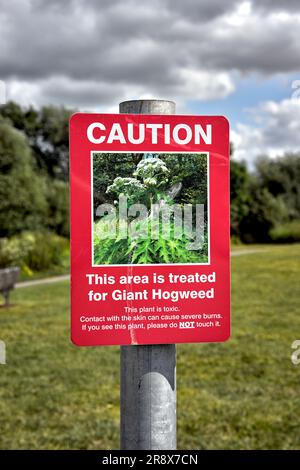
<point x="80" y="215"/>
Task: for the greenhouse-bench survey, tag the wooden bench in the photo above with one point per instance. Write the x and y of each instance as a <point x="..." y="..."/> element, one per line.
<point x="8" y="279"/>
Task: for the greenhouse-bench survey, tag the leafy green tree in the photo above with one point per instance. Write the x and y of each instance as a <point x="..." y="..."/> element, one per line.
<point x="23" y="204"/>
<point x="191" y="171"/>
<point x="265" y="212"/>
<point x="240" y="182"/>
<point x="281" y="177"/>
<point x="53" y="140"/>
<point x="264" y="199"/>
<point x="47" y="133"/>
<point x="106" y="167"/>
<point x="57" y="196"/>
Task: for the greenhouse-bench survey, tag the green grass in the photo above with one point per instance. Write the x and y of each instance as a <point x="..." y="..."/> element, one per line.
<point x="243" y="394"/>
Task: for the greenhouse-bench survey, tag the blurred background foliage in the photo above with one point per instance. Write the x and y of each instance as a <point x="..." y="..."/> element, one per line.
<point x="34" y="188"/>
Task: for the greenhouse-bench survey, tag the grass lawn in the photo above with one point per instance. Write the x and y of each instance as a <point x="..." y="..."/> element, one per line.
<point x="243" y="394"/>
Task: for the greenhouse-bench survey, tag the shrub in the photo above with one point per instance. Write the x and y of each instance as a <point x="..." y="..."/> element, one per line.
<point x="33" y="251"/>
<point x="10" y="254"/>
<point x="235" y="240"/>
<point x="286" y="233"/>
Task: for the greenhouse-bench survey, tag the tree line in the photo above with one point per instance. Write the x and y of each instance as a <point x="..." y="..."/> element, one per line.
<point x="34" y="189"/>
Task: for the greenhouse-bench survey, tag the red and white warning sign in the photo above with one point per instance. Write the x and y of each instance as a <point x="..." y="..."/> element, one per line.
<point x="149" y="229"/>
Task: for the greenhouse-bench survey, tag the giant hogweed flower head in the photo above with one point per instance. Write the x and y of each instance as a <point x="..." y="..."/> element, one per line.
<point x="152" y="171"/>
<point x="130" y="187"/>
<point x="126" y="185"/>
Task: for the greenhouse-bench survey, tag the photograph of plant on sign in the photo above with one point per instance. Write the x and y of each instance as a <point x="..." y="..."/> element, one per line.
<point x="150" y="208"/>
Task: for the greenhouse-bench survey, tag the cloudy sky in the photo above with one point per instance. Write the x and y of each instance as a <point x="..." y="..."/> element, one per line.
<point x="237" y="58"/>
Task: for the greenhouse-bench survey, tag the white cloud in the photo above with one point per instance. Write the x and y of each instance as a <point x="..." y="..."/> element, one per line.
<point x="240" y="15"/>
<point x="102" y="96"/>
<point x="23" y="92"/>
<point x="275" y="130"/>
<point x="90" y="54"/>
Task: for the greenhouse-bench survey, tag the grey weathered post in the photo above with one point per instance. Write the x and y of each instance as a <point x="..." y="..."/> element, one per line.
<point x="148" y="373"/>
